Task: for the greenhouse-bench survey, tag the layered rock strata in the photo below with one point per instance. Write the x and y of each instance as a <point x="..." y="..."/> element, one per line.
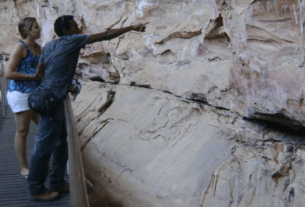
<point x="206" y="108"/>
<point x="143" y="147"/>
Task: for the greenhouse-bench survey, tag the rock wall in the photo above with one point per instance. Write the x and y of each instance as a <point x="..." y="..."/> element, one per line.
<point x="149" y="148"/>
<point x="206" y="108"/>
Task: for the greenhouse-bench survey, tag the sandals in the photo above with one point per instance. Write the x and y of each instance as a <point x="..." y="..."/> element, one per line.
<point x="46" y="196"/>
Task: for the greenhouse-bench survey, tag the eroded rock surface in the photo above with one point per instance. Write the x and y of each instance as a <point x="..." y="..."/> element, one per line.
<point x="149" y="148"/>
<point x="206" y="108"/>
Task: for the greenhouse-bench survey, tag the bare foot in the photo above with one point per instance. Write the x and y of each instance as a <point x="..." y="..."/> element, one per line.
<point x="24" y="171"/>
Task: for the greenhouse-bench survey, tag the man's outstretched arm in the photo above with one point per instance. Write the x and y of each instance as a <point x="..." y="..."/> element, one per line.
<point x="111" y="34"/>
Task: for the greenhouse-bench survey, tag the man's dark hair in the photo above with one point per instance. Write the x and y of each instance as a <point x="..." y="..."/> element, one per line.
<point x="62" y="23"/>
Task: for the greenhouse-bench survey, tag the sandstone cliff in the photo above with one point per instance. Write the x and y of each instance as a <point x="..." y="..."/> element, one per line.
<point x="206" y="108"/>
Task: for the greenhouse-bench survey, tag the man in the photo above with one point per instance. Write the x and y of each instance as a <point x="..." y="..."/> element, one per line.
<point x="58" y="63"/>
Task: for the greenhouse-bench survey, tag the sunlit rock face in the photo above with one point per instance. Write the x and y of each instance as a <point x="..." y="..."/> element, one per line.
<point x="143" y="147"/>
<point x="245" y="56"/>
<point x="206" y="107"/>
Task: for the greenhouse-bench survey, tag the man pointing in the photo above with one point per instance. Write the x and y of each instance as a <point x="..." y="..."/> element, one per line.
<point x="57" y="65"/>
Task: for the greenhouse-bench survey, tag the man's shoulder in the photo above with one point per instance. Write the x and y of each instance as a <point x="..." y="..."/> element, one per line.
<point x="50" y="44"/>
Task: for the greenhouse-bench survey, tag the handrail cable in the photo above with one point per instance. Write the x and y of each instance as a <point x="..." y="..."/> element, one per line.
<point x="78" y="191"/>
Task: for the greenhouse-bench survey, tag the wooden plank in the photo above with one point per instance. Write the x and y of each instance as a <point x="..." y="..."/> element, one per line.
<point x="3" y="88"/>
<point x="78" y="191"/>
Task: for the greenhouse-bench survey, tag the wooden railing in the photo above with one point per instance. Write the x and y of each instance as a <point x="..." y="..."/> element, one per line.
<point x="3" y="86"/>
<point x="78" y="191"/>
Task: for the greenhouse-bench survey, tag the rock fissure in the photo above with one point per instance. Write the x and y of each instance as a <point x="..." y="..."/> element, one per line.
<point x="224" y="106"/>
<point x="278" y="126"/>
<point x="180" y="34"/>
<point x="94" y="133"/>
<point x="269" y="121"/>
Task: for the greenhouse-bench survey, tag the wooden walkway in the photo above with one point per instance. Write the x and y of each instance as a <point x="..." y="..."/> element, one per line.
<point x="13" y="188"/>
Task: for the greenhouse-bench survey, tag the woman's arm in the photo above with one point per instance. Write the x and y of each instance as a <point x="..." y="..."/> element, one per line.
<point x="39" y="71"/>
<point x="16" y="56"/>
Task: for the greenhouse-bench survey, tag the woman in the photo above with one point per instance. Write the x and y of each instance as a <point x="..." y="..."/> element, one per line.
<point x="21" y="69"/>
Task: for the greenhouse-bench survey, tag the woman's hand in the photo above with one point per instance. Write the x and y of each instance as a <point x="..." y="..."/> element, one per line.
<point x="38" y="76"/>
<point x="73" y="90"/>
<point x="39" y="71"/>
<point x="139" y="27"/>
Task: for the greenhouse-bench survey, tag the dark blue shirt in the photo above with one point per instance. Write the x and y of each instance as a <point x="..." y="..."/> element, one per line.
<point x="28" y="66"/>
<point x="60" y="59"/>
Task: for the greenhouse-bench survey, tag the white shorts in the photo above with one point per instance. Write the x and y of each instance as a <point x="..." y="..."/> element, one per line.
<point x="18" y="101"/>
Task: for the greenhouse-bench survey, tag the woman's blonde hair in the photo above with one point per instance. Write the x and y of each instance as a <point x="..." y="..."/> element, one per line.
<point x="25" y="25"/>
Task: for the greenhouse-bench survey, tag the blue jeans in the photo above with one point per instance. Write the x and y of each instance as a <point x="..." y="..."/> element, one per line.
<point x="51" y="138"/>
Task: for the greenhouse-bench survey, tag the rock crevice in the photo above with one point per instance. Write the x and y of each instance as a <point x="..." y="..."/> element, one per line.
<point x="205" y="108"/>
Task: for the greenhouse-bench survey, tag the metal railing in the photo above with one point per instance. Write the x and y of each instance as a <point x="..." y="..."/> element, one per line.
<point x="78" y="191"/>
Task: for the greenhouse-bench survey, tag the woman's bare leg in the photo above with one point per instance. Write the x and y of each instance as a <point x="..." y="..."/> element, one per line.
<point x="22" y="121"/>
<point x="35" y="118"/>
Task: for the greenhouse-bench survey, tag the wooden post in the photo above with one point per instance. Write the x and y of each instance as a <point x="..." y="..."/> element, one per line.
<point x="78" y="192"/>
<point x="3" y="87"/>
